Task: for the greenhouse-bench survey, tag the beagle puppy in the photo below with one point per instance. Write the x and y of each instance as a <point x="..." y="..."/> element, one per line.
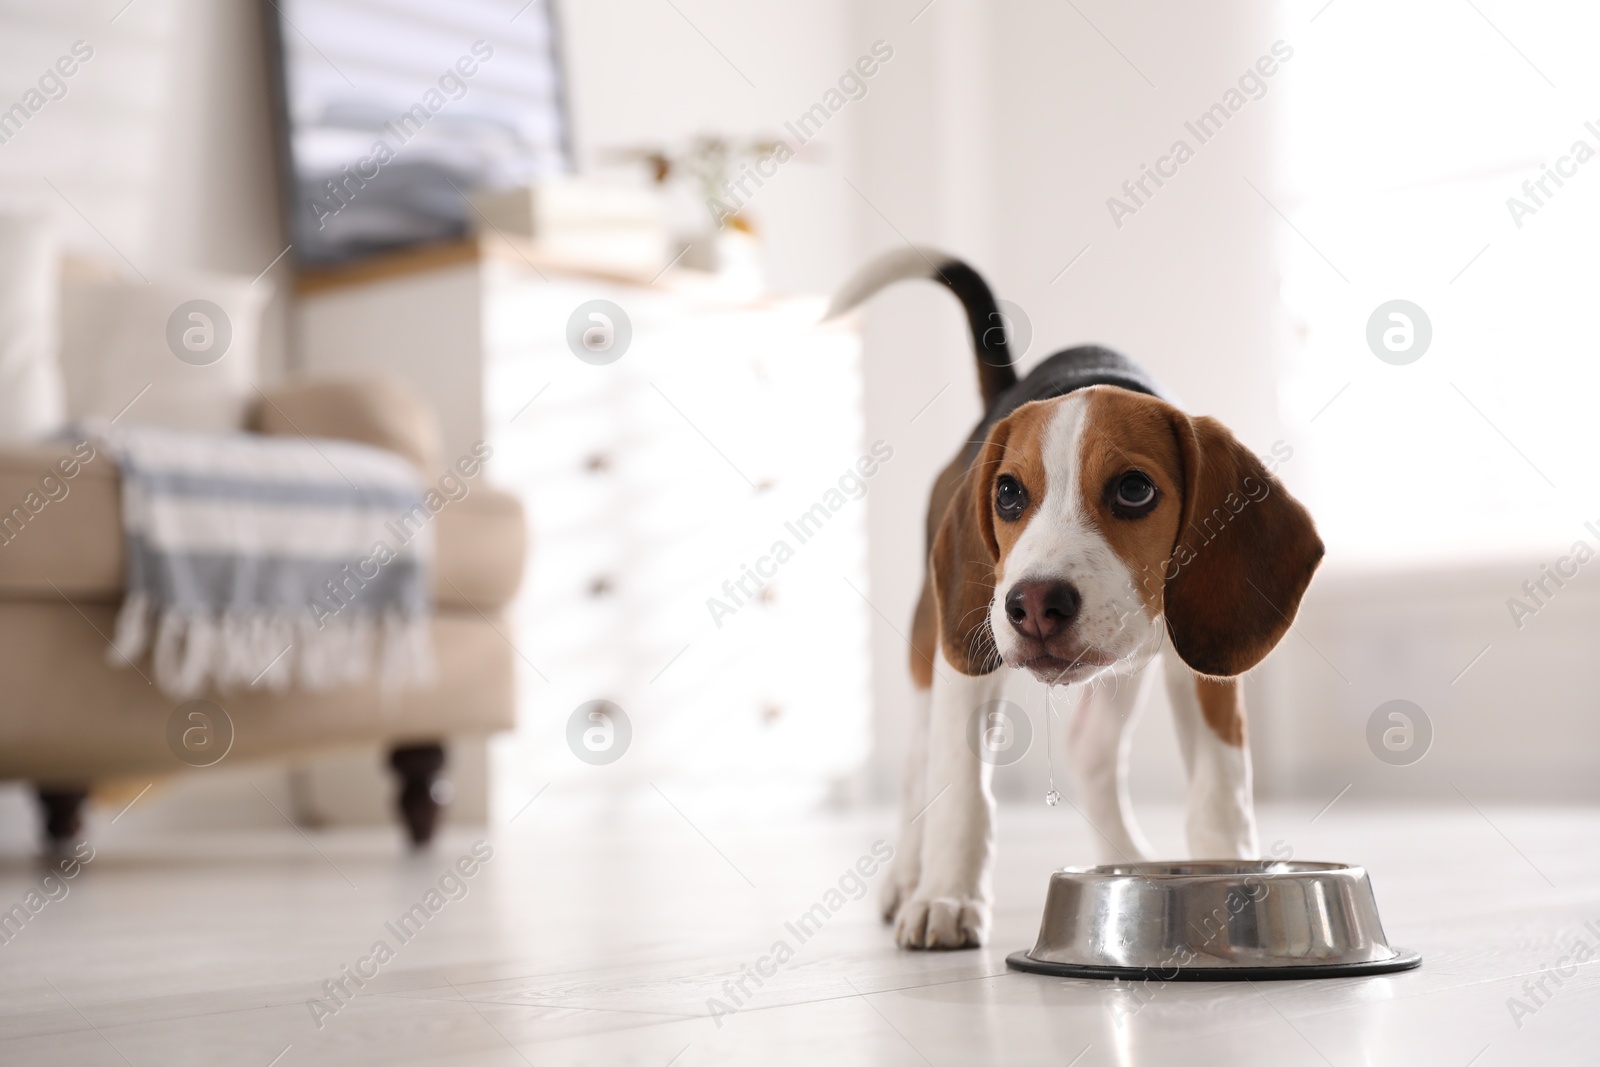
<point x="1087" y="529"/>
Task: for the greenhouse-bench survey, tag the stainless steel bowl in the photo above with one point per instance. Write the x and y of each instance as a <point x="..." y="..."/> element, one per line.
<point x="1212" y="920"/>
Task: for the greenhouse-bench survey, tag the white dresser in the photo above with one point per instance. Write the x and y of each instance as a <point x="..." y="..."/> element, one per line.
<point x="661" y="481"/>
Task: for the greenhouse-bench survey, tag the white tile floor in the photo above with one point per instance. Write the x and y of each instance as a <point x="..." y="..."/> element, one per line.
<point x="579" y="944"/>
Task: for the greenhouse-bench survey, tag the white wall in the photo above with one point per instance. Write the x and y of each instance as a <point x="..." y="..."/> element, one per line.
<point x="645" y="73"/>
<point x="100" y="145"/>
<point x="1512" y="710"/>
<point x="217" y="208"/>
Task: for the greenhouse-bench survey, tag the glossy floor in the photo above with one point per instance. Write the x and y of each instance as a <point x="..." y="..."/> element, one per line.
<point x="579" y="942"/>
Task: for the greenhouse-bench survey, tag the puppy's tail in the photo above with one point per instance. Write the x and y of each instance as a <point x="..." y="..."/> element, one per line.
<point x="995" y="370"/>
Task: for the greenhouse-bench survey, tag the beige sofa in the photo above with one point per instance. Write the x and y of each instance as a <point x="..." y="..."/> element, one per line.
<point x="69" y="720"/>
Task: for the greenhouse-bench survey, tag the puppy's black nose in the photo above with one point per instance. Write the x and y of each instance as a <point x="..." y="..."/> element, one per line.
<point x="1042" y="609"/>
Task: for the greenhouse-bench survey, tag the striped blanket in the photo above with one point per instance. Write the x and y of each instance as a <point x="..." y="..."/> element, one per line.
<point x="271" y="561"/>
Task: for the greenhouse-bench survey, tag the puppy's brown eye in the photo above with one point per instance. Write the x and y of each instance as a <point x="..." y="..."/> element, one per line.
<point x="1133" y="495"/>
<point x="1009" y="498"/>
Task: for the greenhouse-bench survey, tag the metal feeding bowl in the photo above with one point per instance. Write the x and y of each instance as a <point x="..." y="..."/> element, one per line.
<point x="1212" y="921"/>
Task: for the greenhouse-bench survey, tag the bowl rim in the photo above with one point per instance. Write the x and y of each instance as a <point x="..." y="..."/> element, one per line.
<point x="1208" y="870"/>
<point x="1404" y="959"/>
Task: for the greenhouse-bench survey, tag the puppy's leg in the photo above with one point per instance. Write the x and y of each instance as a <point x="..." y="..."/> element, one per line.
<point x="1209" y="714"/>
<point x="907" y="867"/>
<point x="952" y="903"/>
<point x="1098" y="739"/>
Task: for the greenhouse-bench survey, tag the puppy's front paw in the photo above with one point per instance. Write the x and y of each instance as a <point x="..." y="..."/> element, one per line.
<point x="942" y="923"/>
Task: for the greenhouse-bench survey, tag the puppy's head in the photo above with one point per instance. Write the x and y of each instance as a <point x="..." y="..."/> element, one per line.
<point x="1090" y="521"/>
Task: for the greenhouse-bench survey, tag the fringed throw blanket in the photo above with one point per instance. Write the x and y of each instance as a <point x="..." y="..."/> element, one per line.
<point x="271" y="561"/>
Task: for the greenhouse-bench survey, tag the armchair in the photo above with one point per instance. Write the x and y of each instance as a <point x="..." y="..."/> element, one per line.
<point x="68" y="719"/>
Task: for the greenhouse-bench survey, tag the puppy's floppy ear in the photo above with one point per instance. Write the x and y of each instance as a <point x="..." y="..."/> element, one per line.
<point x="1245" y="553"/>
<point x="963" y="560"/>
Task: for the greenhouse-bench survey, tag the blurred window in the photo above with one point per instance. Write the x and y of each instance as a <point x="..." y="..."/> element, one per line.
<point x="1410" y="132"/>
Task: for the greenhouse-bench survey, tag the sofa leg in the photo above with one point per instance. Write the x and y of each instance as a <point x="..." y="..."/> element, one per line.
<point x="63" y="813"/>
<point x="422" y="792"/>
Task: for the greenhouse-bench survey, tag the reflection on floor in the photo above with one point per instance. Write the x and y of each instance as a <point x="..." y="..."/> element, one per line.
<point x="608" y="945"/>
